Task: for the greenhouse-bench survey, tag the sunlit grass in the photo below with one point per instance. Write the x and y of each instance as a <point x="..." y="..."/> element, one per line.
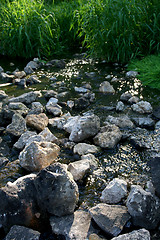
<point x="149" y="69"/>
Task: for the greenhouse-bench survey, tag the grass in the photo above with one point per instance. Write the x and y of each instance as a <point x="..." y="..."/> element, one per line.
<point x="149" y="69"/>
<point x="119" y="30"/>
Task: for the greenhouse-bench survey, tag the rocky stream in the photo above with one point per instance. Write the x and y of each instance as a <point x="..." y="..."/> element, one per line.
<point x="79" y="151"/>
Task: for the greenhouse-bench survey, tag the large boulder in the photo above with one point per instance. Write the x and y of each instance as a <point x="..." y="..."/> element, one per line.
<point x="37" y="121"/>
<point x="18" y="205"/>
<point x="81" y="128"/>
<point x="110" y="218"/>
<point x="38" y="155"/>
<point x="143" y="207"/>
<point x="142" y="107"/>
<point x="26" y="98"/>
<point x="18" y="126"/>
<point x="20" y="232"/>
<point x="57" y="192"/>
<point x="108" y="137"/>
<point x="114" y="191"/>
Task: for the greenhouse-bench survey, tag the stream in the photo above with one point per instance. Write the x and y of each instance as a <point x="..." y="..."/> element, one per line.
<point x="124" y="161"/>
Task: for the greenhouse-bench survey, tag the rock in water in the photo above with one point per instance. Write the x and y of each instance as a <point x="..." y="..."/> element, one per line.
<point x="57" y="192"/>
<point x="38" y="155"/>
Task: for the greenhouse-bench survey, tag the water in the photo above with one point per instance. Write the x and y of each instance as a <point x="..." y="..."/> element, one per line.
<point x="124" y="161"/>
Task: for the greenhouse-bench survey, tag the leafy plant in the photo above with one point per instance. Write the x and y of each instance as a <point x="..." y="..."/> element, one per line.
<point x="149" y="69"/>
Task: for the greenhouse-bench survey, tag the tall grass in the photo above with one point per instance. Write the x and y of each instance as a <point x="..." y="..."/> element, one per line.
<point x="119" y="30"/>
<point x="27" y="29"/>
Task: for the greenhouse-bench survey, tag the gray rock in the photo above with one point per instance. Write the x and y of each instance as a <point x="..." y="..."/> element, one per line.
<point x="53" y="107"/>
<point x="133" y="100"/>
<point x="84" y="148"/>
<point x="32" y="64"/>
<point x="122" y="121"/>
<point x="106" y="87"/>
<point x="18" y="126"/>
<point x="110" y="218"/>
<point x="79" y="168"/>
<point x="34" y="138"/>
<point x="115" y="191"/>
<point x="135" y="235"/>
<point x="28" y="70"/>
<point x="26" y="98"/>
<point x="14" y="107"/>
<point x="3" y="95"/>
<point x="77" y="226"/>
<point x="57" y="193"/>
<point x="144" y="122"/>
<point x="91" y="158"/>
<point x="20" y="144"/>
<point x="120" y="106"/>
<point x="36" y="108"/>
<point x="131" y="74"/>
<point x="125" y="96"/>
<point x="109" y="136"/>
<point x="37" y="121"/>
<point x="20" y="232"/>
<point x="143" y="207"/>
<point x="38" y="155"/>
<point x="81" y="128"/>
<point x="59" y="122"/>
<point x="70" y="104"/>
<point x="142" y="107"/>
<point x="81" y="89"/>
<point x="48" y="136"/>
<point x="154" y="165"/>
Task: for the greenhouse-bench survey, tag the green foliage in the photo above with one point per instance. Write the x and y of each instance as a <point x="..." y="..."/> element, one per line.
<point x="119" y="30"/>
<point x="149" y="69"/>
<point x="27" y="29"/>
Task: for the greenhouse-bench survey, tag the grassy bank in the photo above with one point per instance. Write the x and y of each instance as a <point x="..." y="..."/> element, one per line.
<point x="115" y="30"/>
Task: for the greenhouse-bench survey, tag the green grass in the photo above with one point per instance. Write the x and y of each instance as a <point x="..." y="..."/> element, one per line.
<point x="119" y="30"/>
<point x="149" y="69"/>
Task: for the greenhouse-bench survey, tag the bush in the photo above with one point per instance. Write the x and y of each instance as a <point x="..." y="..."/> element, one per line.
<point x="119" y="30"/>
<point x="27" y="29"/>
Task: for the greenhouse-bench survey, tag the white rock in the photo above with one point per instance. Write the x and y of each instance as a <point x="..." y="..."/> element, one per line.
<point x="84" y="148"/>
<point x="142" y="107"/>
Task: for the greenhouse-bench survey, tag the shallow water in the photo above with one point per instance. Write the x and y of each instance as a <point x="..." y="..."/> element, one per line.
<point x="124" y="161"/>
